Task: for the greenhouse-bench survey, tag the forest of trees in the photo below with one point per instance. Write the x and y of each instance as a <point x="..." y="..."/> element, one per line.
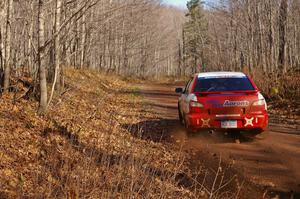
<point x="40" y="38"/>
<point x="244" y="34"/>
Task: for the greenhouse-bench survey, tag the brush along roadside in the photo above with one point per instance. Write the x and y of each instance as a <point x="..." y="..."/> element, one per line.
<point x="81" y="148"/>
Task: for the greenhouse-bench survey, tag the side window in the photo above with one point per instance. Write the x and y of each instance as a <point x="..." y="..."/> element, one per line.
<point x="187" y="87"/>
<point x="191" y="85"/>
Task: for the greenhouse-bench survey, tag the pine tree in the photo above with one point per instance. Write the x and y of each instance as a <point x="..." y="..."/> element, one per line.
<point x="195" y="36"/>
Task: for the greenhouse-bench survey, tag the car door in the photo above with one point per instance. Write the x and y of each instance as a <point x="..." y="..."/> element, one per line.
<point x="184" y="98"/>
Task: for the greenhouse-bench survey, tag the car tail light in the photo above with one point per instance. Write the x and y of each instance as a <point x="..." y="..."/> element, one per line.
<point x="260" y="102"/>
<point x="195" y="107"/>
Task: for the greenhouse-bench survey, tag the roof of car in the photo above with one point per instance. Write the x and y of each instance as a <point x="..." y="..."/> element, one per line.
<point x="220" y="74"/>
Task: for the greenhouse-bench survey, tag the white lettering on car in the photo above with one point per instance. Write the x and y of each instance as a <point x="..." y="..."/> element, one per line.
<point x="229" y="103"/>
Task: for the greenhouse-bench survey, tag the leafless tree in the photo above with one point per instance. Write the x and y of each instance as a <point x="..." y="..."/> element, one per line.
<point x="40" y="38"/>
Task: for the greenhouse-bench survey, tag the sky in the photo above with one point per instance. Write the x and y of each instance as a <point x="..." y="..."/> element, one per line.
<point x="181" y="3"/>
<point x="177" y="3"/>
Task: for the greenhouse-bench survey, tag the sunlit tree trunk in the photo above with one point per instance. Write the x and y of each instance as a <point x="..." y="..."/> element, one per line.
<point x="57" y="75"/>
<point x="282" y="34"/>
<point x="7" y="45"/>
<point x="41" y="65"/>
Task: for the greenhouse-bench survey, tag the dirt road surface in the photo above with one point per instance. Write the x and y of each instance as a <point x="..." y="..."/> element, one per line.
<point x="270" y="161"/>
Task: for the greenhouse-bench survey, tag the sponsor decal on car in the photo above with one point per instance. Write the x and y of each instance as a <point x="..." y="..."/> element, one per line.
<point x="249" y="122"/>
<point x="205" y="122"/>
<point x="229" y="103"/>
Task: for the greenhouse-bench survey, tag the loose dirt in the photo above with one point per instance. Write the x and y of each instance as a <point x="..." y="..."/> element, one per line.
<point x="268" y="164"/>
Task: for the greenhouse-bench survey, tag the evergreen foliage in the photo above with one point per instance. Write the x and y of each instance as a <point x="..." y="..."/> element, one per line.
<point x="195" y="36"/>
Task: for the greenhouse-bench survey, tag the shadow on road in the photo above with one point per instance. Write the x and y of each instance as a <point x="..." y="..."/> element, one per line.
<point x="154" y="130"/>
<point x="158" y="130"/>
<point x="268" y="162"/>
<point x="149" y="93"/>
<point x="222" y="137"/>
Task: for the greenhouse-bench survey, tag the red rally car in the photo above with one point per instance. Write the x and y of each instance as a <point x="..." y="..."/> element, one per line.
<point x="222" y="101"/>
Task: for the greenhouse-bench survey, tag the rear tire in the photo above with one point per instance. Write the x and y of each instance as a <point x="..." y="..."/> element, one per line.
<point x="189" y="130"/>
<point x="257" y="131"/>
<point x="181" y="120"/>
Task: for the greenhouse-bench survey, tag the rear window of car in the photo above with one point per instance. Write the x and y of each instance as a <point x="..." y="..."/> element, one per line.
<point x="216" y="84"/>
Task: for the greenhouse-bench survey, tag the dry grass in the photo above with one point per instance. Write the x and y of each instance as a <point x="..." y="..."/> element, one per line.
<point x="277" y="86"/>
<point x="80" y="148"/>
<point x="84" y="148"/>
<point x="282" y="93"/>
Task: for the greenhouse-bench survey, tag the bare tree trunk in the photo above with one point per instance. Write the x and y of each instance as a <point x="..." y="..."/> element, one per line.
<point x="7" y="45"/>
<point x="83" y="41"/>
<point x="56" y="79"/>
<point x="2" y="33"/>
<point x="271" y="37"/>
<point x="1" y="50"/>
<point x="57" y="47"/>
<point x="41" y="66"/>
<point x="282" y="34"/>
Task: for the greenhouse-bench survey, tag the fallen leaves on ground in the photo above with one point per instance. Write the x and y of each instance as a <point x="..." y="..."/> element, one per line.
<point x="84" y="146"/>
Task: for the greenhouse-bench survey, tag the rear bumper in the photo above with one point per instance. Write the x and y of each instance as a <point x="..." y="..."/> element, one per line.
<point x="243" y="122"/>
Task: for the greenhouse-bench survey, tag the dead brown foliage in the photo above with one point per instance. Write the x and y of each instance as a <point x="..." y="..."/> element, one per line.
<point x="80" y="149"/>
<point x="282" y="91"/>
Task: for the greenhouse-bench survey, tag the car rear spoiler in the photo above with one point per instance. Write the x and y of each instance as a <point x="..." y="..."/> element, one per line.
<point x="203" y="94"/>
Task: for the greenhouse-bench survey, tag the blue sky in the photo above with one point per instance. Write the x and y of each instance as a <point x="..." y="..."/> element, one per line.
<point x="177" y="3"/>
<point x="181" y="3"/>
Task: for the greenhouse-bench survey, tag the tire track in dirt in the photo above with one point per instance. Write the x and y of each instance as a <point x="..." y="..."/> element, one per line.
<point x="272" y="161"/>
